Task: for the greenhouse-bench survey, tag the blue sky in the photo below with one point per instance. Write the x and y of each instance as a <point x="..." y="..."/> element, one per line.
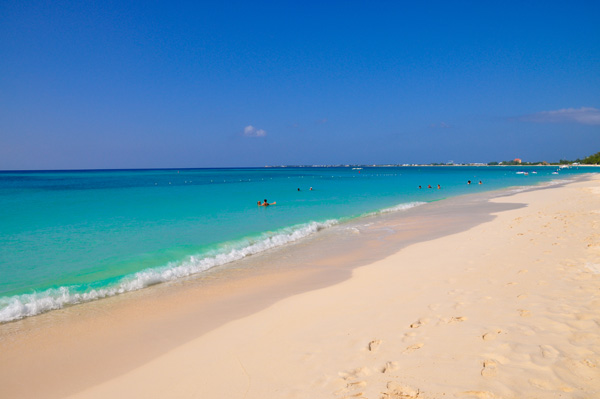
<point x="198" y="84"/>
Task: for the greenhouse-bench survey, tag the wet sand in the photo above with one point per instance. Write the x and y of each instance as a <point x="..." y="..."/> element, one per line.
<point x="465" y="297"/>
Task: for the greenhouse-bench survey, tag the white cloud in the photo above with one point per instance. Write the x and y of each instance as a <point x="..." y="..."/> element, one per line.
<point x="251" y="131"/>
<point x="583" y="115"/>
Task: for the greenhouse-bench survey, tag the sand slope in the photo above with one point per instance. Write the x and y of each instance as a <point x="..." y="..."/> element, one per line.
<point x="508" y="309"/>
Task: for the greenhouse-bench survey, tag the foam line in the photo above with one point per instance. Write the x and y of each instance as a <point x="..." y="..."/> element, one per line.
<point x="25" y="305"/>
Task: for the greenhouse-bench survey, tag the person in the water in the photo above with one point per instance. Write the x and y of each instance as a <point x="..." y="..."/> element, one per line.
<point x="265" y="203"/>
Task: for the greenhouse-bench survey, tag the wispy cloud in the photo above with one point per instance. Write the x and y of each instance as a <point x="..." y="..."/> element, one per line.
<point x="321" y="121"/>
<point x="583" y="115"/>
<point x="251" y="131"/>
<point x="441" y="125"/>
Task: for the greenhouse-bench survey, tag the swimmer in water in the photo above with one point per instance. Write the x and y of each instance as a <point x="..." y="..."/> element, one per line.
<point x="265" y="203"/>
<point x="439" y="187"/>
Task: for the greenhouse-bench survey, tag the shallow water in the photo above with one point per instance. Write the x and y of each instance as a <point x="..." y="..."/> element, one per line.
<point x="69" y="237"/>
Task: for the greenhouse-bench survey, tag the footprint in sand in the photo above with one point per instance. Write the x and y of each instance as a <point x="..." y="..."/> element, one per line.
<point x="523" y="271"/>
<point x="490" y="336"/>
<point x="374" y="345"/>
<point x="397" y="391"/>
<point x="351" y="386"/>
<point x="349" y="390"/>
<point x="419" y="323"/>
<point x="355" y="374"/>
<point x="522" y="296"/>
<point x="457" y="319"/>
<point x="583" y="339"/>
<point x="489" y="369"/>
<point x="409" y="336"/>
<point x="413" y="348"/>
<point x="357" y="385"/>
<point x="389" y="367"/>
<point x="524" y="313"/>
<point x="548" y="352"/>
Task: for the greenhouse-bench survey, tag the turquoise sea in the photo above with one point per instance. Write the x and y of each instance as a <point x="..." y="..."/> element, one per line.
<point x="73" y="236"/>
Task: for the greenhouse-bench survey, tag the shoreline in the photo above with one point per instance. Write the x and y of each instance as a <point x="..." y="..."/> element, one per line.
<point x="51" y="299"/>
<point x="162" y="320"/>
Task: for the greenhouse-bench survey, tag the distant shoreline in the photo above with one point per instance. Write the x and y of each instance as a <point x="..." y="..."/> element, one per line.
<point x="8" y="171"/>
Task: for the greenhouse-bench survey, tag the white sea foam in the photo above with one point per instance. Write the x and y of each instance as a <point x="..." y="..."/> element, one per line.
<point x="25" y="305"/>
<point x="396" y="208"/>
<point x="558" y="181"/>
<point x="20" y="306"/>
<point x="550" y="183"/>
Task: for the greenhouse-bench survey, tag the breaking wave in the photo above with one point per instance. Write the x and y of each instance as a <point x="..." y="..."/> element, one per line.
<point x="25" y="305"/>
<point x="397" y="208"/>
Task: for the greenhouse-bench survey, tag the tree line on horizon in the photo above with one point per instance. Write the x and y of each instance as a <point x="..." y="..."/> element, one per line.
<point x="589" y="160"/>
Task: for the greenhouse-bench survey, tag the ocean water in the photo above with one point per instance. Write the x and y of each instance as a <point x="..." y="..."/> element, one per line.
<point x="73" y="236"/>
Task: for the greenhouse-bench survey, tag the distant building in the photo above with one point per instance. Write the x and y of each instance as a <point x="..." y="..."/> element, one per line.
<point x="517" y="160"/>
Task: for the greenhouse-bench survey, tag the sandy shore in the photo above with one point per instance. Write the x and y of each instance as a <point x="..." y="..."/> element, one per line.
<point x="509" y="308"/>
